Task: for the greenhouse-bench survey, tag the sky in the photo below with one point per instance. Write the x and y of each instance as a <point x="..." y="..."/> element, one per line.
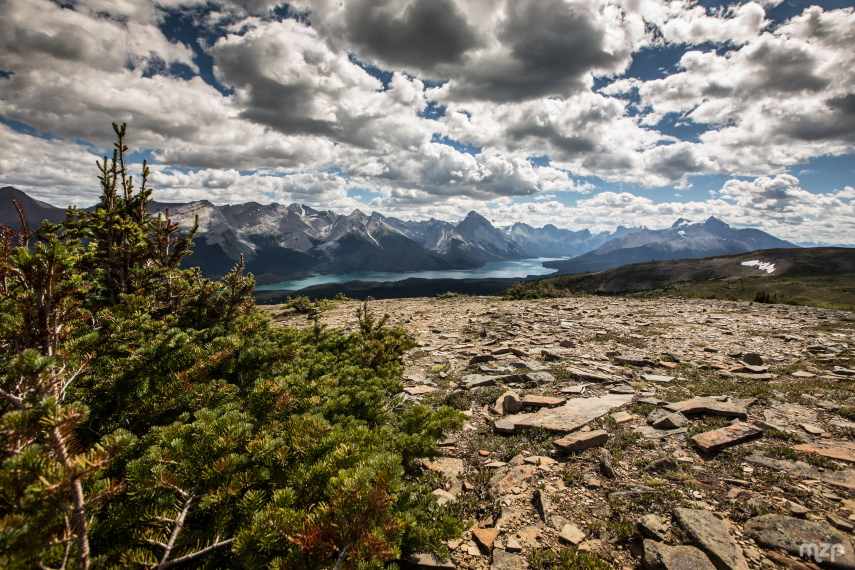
<point x="579" y="113"/>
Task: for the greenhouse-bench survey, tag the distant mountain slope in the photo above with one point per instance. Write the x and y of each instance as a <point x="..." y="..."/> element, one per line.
<point x="35" y="210"/>
<point x="550" y="241"/>
<point x="683" y="240"/>
<point x="289" y="242"/>
<point x="761" y="263"/>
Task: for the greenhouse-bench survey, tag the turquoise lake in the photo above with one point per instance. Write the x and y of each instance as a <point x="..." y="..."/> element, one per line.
<point x="495" y="269"/>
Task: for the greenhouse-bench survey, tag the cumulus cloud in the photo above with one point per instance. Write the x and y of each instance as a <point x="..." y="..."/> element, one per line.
<point x="487" y="50"/>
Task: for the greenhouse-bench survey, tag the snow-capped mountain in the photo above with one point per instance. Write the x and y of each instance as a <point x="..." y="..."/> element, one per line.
<point x="683" y="240"/>
<point x="281" y="242"/>
<point x="550" y="241"/>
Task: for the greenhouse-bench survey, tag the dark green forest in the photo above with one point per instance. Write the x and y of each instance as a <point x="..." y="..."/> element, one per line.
<point x="152" y="418"/>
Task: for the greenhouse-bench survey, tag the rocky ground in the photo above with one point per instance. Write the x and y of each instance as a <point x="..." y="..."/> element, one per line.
<point x="664" y="433"/>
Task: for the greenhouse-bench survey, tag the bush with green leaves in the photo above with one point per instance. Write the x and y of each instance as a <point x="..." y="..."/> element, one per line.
<point x="528" y="290"/>
<point x="152" y="418"/>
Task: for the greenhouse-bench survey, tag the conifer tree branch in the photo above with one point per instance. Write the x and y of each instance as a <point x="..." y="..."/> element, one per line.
<point x="217" y="544"/>
<point x="78" y="511"/>
<point x="179" y="524"/>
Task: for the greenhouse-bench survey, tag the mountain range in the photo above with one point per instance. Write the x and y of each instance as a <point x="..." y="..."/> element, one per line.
<point x="281" y="243"/>
<point x="683" y="240"/>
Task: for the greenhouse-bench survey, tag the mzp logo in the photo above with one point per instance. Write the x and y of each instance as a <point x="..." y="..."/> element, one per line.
<point x="824" y="551"/>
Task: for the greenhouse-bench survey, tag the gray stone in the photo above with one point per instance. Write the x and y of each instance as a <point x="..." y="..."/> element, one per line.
<point x="657" y="415"/>
<point x="606" y="464"/>
<point x="791" y="534"/>
<point x="839" y="522"/>
<point x="634" y="360"/>
<point x="652" y="433"/>
<point x="658" y="556"/>
<point x="508" y="403"/>
<point x="710" y="534"/>
<point x="425" y="562"/>
<point x="513" y="545"/>
<point x="844" y="479"/>
<point x="651" y="526"/>
<point x="671" y="421"/>
<point x="656" y="378"/>
<point x="503" y="560"/>
<point x="752" y="359"/>
<point x="481" y="358"/>
<point x="540" y="377"/>
<point x="508" y="424"/>
<point x="542" y="503"/>
<point x="622" y="388"/>
<point x="663" y="465"/>
<point x="571" y="534"/>
<point x="631" y="492"/>
<point x="475" y="380"/>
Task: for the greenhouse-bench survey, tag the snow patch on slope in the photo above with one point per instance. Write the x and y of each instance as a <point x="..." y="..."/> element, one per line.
<point x="761" y="265"/>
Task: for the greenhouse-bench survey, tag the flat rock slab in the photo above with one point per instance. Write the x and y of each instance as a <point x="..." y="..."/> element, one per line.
<point x="634" y="360"/>
<point x="450" y="467"/>
<point x="506" y="479"/>
<point x="844" y="479"/>
<point x="540" y="377"/>
<point x="652" y="526"/>
<point x="508" y="424"/>
<point x="656" y="378"/>
<point x="710" y="534"/>
<point x="726" y="436"/>
<point x="475" y="380"/>
<point x="630" y="492"/>
<point x="503" y="560"/>
<point x="581" y="441"/>
<point x="714" y="406"/>
<point x="574" y="414"/>
<point x="786" y="414"/>
<point x="485" y="537"/>
<point x="419" y="390"/>
<point x="542" y="401"/>
<point x="587" y="375"/>
<point x="425" y="562"/>
<point x="793" y="535"/>
<point x="673" y="420"/>
<point x="571" y="534"/>
<point x="658" y="556"/>
<point x="843" y="450"/>
<point x="648" y="432"/>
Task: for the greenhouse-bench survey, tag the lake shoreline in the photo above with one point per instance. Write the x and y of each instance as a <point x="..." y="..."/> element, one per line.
<point x="511" y="269"/>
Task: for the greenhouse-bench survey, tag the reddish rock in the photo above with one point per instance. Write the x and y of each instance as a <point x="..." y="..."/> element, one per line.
<point x="582" y="440"/>
<point x="726" y="436"/>
<point x="506" y="479"/>
<point x="542" y="401"/>
<point x="843" y="450"/>
<point x="419" y="390"/>
<point x="707" y="405"/>
<point x="485" y="537"/>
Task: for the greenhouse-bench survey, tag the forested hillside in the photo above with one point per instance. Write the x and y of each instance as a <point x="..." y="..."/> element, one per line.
<point x="152" y="418"/>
